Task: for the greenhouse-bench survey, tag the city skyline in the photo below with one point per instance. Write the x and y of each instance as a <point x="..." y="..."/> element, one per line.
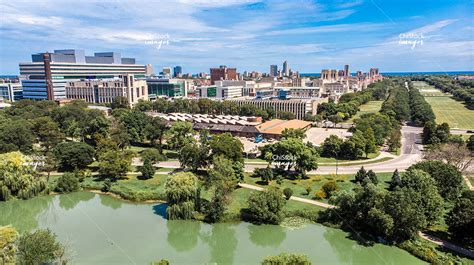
<point x="248" y="35"/>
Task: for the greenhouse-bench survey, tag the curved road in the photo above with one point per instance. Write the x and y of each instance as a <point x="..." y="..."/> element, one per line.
<point x="411" y="152"/>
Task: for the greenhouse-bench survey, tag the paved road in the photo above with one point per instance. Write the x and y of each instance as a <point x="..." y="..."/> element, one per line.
<point x="410" y="154"/>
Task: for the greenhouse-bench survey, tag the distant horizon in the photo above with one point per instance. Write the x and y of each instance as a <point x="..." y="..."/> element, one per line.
<point x="352" y="73"/>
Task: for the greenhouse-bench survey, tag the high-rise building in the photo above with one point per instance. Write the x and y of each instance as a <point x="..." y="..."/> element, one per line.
<point x="149" y="69"/>
<point x="286" y="69"/>
<point x="177" y="71"/>
<point x="346" y="71"/>
<point x="223" y="73"/>
<point x="167" y="71"/>
<point x="273" y="70"/>
<point x="48" y="73"/>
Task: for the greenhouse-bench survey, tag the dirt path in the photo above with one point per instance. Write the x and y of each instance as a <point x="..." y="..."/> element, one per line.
<point x="468" y="182"/>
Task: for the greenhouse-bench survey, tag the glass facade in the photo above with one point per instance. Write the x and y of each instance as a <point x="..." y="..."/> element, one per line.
<point x="165" y="89"/>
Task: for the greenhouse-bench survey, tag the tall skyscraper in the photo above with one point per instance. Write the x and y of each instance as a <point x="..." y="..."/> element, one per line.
<point x="273" y="70"/>
<point x="286" y="70"/>
<point x="223" y="73"/>
<point x="177" y="71"/>
<point x="346" y="70"/>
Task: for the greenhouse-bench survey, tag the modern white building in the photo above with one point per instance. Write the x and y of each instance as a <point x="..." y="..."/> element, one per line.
<point x="11" y="91"/>
<point x="48" y="73"/>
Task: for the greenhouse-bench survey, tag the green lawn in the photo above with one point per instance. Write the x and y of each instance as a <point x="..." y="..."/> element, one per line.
<point x="344" y="182"/>
<point x="446" y="108"/>
<point x="370" y="107"/>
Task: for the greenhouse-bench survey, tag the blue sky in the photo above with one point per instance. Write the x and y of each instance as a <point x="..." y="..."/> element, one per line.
<point x="247" y="34"/>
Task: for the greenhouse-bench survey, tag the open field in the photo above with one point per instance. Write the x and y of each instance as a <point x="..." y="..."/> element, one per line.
<point x="446" y="108"/>
<point x="370" y="107"/>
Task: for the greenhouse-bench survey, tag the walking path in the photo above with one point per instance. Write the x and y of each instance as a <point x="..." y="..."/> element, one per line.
<point x="468" y="182"/>
<point x="432" y="239"/>
<point x="446" y="244"/>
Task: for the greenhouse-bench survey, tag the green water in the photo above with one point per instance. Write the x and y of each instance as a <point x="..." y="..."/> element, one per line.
<point x="103" y="230"/>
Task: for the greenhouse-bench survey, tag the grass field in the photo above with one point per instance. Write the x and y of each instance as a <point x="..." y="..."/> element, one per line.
<point x="344" y="182"/>
<point x="370" y="107"/>
<point x="446" y="108"/>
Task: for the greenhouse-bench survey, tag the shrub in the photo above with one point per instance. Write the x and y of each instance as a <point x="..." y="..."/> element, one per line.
<point x="329" y="188"/>
<point x="320" y="194"/>
<point x="266" y="206"/>
<point x="68" y="182"/>
<point x="286" y="259"/>
<point x="288" y="192"/>
<point x="107" y="185"/>
<point x="308" y="189"/>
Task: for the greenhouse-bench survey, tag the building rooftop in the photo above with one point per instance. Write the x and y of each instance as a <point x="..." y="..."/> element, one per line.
<point x="276" y="126"/>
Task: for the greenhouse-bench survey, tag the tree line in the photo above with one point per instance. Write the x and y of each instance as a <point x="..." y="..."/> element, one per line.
<point x="348" y="104"/>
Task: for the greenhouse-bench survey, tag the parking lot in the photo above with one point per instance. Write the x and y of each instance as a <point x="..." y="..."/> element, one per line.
<point x="317" y="135"/>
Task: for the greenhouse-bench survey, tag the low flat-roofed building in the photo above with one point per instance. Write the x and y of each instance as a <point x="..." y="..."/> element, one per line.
<point x="274" y="128"/>
<point x="106" y="90"/>
<point x="299" y="107"/>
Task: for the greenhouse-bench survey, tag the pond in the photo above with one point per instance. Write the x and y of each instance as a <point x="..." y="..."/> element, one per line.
<point x="100" y="229"/>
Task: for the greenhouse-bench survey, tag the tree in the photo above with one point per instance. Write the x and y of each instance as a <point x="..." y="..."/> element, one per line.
<point x="396" y="180"/>
<point x="449" y="180"/>
<point x="180" y="192"/>
<point x="153" y="155"/>
<point x="266" y="206"/>
<point x="40" y="247"/>
<point x="17" y="179"/>
<point x="335" y="119"/>
<point x="155" y="131"/>
<point x="194" y="156"/>
<point x="8" y="248"/>
<point x="147" y="170"/>
<point x="291" y="152"/>
<point x="135" y="121"/>
<point x="429" y="199"/>
<point x="288" y="192"/>
<point x="285" y="115"/>
<point x="332" y="146"/>
<point x="16" y="135"/>
<point x="265" y="174"/>
<point x="361" y="175"/>
<point x="118" y="134"/>
<point x="461" y="218"/>
<point x="49" y="164"/>
<point x="71" y="155"/>
<point x="286" y="259"/>
<point x="119" y="103"/>
<point x="114" y="164"/>
<point x="453" y="154"/>
<point x="225" y="144"/>
<point x="293" y="133"/>
<point x="180" y="134"/>
<point x="68" y="182"/>
<point x="470" y="143"/>
<point x="223" y="180"/>
<point x="47" y="132"/>
<point x="370" y="145"/>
